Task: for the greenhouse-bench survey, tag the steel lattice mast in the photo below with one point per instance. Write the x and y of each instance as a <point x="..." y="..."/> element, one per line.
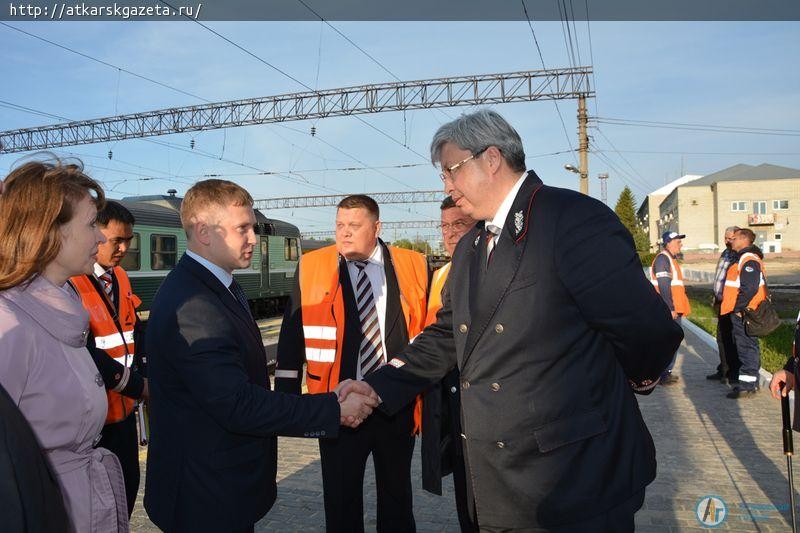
<point x="531" y="85"/>
<point x="332" y="200"/>
<point x="407" y="224"/>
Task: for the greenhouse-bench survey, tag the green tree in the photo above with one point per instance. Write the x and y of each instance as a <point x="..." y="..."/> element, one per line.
<point x="404" y="243"/>
<point x="626" y="211"/>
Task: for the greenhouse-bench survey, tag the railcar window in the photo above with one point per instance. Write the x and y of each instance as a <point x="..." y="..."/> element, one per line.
<point x="291" y="249"/>
<point x="163" y="251"/>
<point x="132" y="259"/>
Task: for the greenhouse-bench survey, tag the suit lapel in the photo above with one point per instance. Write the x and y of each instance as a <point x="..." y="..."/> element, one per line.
<point x="222" y="292"/>
<point x="394" y="323"/>
<point x="491" y="288"/>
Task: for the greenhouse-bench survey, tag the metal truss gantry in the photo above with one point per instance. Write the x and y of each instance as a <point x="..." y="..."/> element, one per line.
<point x="406" y="224"/>
<point x="550" y="84"/>
<point x="409" y="197"/>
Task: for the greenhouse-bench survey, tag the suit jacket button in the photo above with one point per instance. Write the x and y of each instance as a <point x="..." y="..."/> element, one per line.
<point x="498" y="328"/>
<point x="501" y="444"/>
<point x="463" y="328"/>
<point x="453" y="390"/>
<point x="495" y="387"/>
<point x="463" y="437"/>
<point x="465" y="384"/>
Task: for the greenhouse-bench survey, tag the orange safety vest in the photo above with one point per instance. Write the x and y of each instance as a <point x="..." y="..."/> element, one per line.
<point x="435" y="296"/>
<point x="114" y="337"/>
<point x="730" y="293"/>
<point x="323" y="313"/>
<point x="679" y="298"/>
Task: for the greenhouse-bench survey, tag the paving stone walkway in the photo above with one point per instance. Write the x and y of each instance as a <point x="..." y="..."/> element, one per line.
<point x="707" y="445"/>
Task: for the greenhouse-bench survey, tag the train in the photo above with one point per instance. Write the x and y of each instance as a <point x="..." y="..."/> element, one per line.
<point x="159" y="241"/>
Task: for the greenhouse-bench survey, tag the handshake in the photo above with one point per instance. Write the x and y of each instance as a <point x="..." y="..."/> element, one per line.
<point x="356" y="402"/>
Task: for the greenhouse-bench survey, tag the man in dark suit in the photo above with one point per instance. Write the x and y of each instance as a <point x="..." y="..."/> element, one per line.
<point x="213" y="452"/>
<point x="353" y="303"/>
<point x="553" y="327"/>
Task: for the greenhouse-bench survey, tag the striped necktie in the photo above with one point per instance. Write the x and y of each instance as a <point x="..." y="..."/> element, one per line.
<point x="371" y="350"/>
<point x="108" y="286"/>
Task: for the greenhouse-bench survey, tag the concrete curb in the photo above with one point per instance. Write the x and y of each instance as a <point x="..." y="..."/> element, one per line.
<point x="764" y="377"/>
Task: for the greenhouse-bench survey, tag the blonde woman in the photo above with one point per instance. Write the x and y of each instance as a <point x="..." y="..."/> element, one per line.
<point x="47" y="235"/>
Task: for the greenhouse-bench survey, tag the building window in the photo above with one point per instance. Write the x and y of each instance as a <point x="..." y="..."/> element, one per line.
<point x="291" y="249"/>
<point x="738" y="206"/>
<point x="778" y="236"/>
<point x="759" y="207"/>
<point x="163" y="251"/>
<point x="131" y="261"/>
<point x="780" y="205"/>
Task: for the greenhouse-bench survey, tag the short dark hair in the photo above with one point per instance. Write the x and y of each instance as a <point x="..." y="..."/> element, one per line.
<point x="447" y="203"/>
<point x="114" y="210"/>
<point x="747" y="232"/>
<point x="354" y="201"/>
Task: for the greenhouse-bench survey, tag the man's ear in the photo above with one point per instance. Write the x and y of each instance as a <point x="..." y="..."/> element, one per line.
<point x="377" y="228"/>
<point x="201" y="230"/>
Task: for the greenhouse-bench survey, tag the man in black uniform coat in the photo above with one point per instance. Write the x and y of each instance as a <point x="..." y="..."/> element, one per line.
<point x="553" y="327"/>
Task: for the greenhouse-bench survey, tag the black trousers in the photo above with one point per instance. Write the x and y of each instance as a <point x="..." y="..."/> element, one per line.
<point x="749" y="354"/>
<point x="121" y="439"/>
<point x="391" y="444"/>
<point x="729" y="363"/>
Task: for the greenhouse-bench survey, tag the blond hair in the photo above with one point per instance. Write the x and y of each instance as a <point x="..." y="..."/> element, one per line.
<point x="208" y="194"/>
<point x="37" y="199"/>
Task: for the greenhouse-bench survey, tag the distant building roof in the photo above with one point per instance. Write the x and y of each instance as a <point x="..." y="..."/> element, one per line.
<point x="742" y="172"/>
<point x="669" y="187"/>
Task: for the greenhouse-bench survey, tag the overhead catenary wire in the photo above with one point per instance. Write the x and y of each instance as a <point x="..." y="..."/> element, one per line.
<point x="541" y="58"/>
<point x="289" y="76"/>
<point x="696" y="127"/>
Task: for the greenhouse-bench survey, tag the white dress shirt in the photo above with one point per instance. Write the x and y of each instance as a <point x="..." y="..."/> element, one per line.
<point x="377" y="278"/>
<point x="495" y="225"/>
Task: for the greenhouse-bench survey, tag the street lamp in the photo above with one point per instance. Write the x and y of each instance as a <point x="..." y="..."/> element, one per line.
<point x="572" y="168"/>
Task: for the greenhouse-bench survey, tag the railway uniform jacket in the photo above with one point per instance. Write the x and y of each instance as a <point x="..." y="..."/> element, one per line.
<point x="212" y="460"/>
<point x="550" y="342"/>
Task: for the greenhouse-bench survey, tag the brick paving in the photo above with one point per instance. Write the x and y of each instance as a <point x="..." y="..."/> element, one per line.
<point x="706" y="445"/>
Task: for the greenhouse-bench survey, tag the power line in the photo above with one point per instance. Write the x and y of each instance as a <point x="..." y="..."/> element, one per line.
<point x="591" y="54"/>
<point x="105" y="63"/>
<point x="541" y="58"/>
<point x="696" y="127"/>
<point x="635" y="172"/>
<point x="676" y="152"/>
<point x="287" y="75"/>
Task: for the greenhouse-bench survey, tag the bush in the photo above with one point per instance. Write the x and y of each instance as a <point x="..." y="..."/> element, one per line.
<point x="647" y="258"/>
<point x="775" y="347"/>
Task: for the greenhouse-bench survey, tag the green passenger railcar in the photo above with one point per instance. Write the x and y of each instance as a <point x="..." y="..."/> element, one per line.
<point x="159" y="242"/>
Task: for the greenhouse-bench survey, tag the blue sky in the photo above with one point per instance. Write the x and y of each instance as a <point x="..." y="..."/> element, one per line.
<point x="729" y="74"/>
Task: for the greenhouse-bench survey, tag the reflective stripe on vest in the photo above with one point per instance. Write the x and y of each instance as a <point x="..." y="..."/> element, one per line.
<point x="107" y="337"/>
<point x="679" y="299"/>
<point x="730" y="291"/>
<point x="323" y="311"/>
<point x="435" y="297"/>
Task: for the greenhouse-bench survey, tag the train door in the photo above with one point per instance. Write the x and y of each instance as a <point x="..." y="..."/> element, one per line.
<point x="265" y="285"/>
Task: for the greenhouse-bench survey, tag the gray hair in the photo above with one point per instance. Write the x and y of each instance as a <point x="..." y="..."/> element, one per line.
<point x="732" y="229"/>
<point x="478" y="131"/>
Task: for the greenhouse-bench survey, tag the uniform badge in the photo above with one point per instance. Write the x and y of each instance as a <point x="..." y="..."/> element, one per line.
<point x="397" y="363"/>
<point x="477" y="239"/>
<point x="748" y="269"/>
<point x="518" y="221"/>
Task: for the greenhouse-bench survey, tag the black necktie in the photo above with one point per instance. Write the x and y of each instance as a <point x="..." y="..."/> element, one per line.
<point x="238" y="292"/>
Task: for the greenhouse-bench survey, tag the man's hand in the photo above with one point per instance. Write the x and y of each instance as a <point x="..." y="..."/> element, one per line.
<point x="347" y="386"/>
<point x="355" y="408"/>
<point x="782" y="382"/>
<point x="674" y="315"/>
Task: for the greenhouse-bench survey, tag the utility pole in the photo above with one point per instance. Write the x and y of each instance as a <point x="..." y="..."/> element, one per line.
<point x="603" y="187"/>
<point x="583" y="145"/>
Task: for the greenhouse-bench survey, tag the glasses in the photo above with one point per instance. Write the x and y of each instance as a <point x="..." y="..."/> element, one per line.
<point x="456" y="227"/>
<point x="449" y="172"/>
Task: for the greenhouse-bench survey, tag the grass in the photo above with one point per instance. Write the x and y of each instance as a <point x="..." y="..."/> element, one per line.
<point x="775" y="348"/>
